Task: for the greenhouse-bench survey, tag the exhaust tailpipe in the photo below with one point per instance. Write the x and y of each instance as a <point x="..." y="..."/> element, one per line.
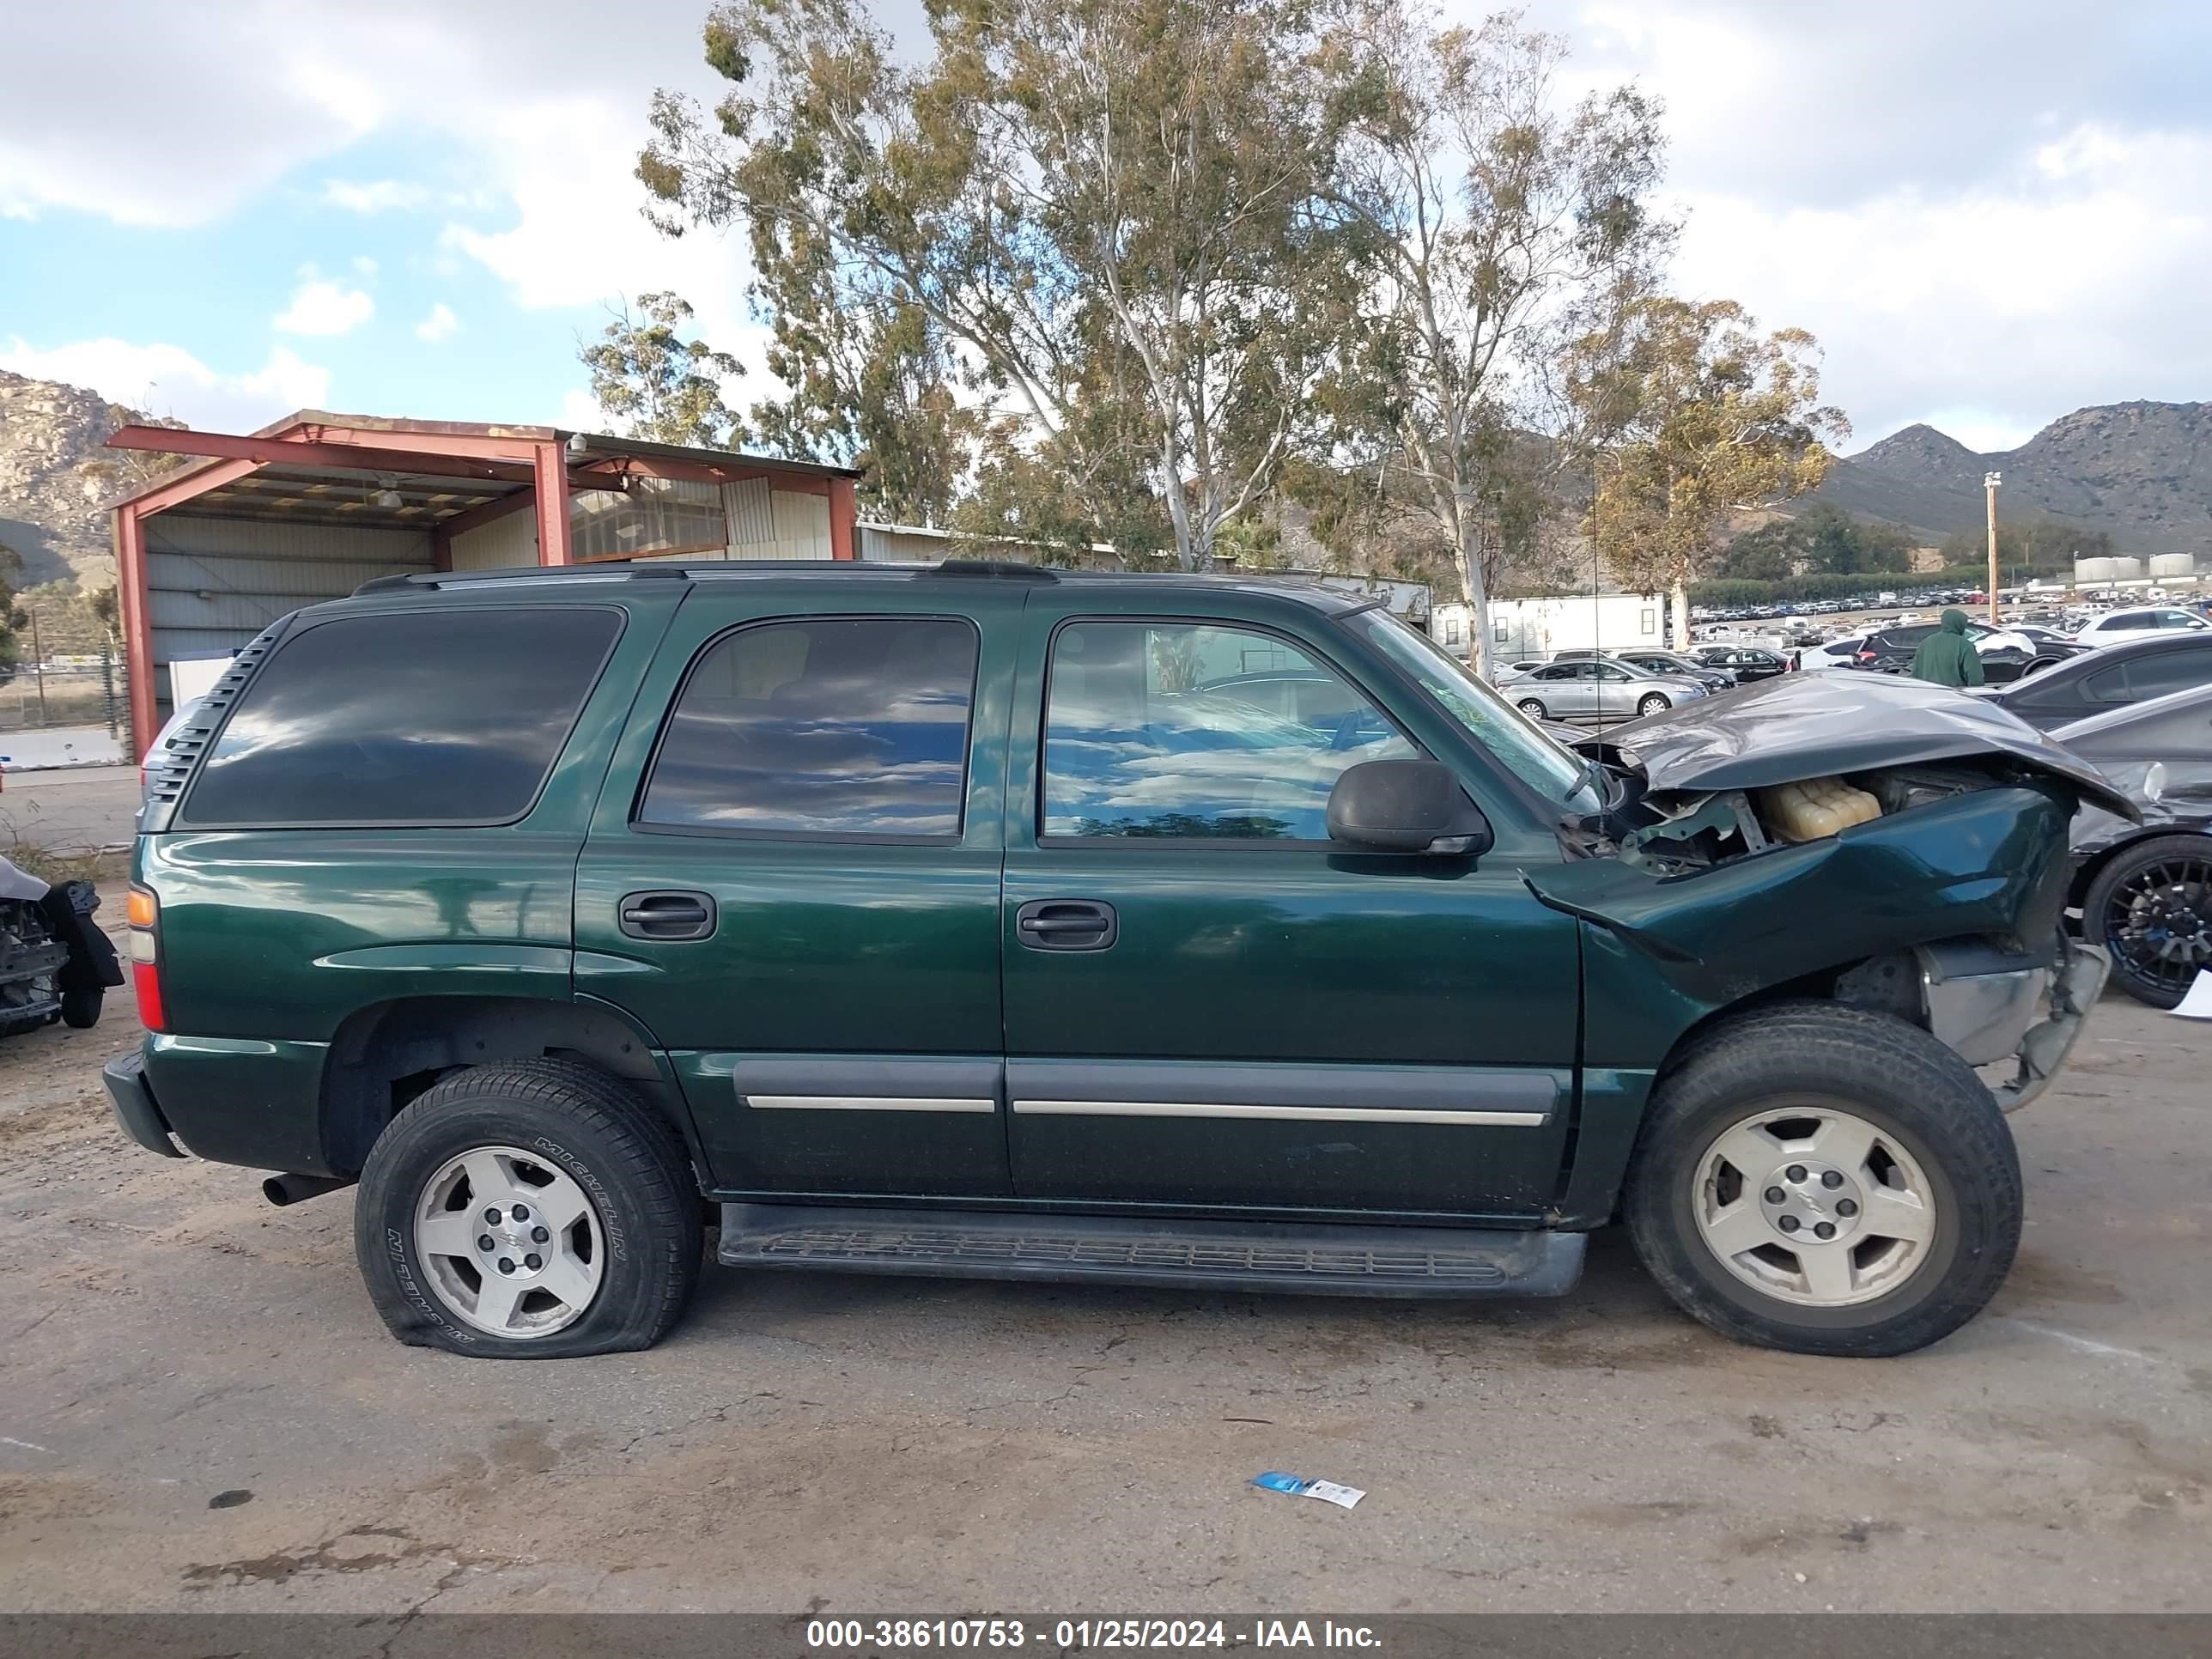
<point x="283" y="1189"/>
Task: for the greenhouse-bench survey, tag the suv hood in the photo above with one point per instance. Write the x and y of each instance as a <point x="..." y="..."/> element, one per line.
<point x="1794" y="726"/>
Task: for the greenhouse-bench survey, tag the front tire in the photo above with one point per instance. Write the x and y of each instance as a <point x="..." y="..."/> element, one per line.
<point x="534" y="1209"/>
<point x="2151" y="907"/>
<point x="1647" y="706"/>
<point x="1806" y="1116"/>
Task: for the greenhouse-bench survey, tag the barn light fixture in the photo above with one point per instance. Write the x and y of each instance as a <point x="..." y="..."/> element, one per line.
<point x="388" y="494"/>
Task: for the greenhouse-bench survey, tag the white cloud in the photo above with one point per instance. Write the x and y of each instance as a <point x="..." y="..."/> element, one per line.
<point x="1998" y="307"/>
<point x="376" y="196"/>
<point x="322" y="306"/>
<point x="438" y="324"/>
<point x="580" y="412"/>
<point x="169" y="381"/>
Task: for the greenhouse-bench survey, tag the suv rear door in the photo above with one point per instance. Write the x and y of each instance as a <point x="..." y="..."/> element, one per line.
<point x="792" y="875"/>
<point x="1207" y="1002"/>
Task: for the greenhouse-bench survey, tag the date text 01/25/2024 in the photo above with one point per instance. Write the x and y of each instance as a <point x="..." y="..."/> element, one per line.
<point x="1072" y="1635"/>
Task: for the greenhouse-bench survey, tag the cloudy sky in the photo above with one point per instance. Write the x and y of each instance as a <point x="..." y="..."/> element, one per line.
<point x="1990" y="211"/>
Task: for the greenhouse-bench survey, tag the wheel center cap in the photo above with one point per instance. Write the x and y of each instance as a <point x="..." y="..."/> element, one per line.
<point x="1809" y="1202"/>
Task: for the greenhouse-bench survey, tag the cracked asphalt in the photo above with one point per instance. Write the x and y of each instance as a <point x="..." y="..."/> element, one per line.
<point x="199" y="1411"/>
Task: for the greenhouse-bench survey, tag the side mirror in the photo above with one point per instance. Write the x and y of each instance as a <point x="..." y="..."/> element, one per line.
<point x="1405" y="806"/>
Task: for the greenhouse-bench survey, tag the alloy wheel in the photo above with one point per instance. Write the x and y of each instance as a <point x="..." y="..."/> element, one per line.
<point x="2159" y="922"/>
<point x="1813" y="1205"/>
<point x="510" y="1244"/>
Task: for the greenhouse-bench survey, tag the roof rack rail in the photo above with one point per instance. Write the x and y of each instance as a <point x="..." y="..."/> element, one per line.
<point x="434" y="580"/>
<point x="1012" y="570"/>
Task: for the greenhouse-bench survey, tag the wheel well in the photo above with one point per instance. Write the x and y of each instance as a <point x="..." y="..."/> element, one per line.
<point x="1885" y="984"/>
<point x="2085" y="873"/>
<point x="387" y="1053"/>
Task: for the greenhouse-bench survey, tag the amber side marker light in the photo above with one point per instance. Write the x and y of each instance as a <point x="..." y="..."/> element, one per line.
<point x="144" y="912"/>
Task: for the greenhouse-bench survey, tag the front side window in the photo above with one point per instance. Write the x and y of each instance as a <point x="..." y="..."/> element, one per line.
<point x="1194" y="730"/>
<point x="420" y="717"/>
<point x="1510" y="737"/>
<point x="827" y="727"/>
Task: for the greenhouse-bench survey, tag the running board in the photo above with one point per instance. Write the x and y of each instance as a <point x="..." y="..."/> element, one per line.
<point x="1312" y="1259"/>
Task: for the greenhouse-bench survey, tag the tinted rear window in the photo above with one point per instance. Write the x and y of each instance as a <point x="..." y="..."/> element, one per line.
<point x="429" y="717"/>
<point x="2168" y="671"/>
<point x="833" y="727"/>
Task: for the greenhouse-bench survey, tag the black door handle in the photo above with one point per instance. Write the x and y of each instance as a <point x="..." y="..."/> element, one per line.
<point x="1066" y="925"/>
<point x="668" y="915"/>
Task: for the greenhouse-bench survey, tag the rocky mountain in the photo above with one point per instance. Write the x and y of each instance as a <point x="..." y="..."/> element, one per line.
<point x="2141" y="471"/>
<point x="53" y="476"/>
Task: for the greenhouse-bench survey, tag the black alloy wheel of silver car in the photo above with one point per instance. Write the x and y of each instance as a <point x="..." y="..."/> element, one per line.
<point x="2151" y="907"/>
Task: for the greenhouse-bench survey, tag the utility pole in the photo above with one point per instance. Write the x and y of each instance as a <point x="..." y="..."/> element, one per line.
<point x="1990" y="481"/>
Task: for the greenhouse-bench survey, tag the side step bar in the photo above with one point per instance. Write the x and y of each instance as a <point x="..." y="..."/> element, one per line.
<point x="1313" y="1259"/>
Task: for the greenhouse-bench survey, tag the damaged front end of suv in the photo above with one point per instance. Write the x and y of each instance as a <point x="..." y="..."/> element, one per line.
<point x="1876" y="842"/>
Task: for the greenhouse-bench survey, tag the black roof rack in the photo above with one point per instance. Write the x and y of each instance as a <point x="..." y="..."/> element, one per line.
<point x="1010" y="570"/>
<point x="437" y="579"/>
<point x="621" y="569"/>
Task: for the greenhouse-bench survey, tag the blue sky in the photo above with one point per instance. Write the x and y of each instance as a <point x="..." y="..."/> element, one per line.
<point x="1990" y="211"/>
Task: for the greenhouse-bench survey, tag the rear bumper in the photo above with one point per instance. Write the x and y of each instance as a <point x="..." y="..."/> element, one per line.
<point x="132" y="1101"/>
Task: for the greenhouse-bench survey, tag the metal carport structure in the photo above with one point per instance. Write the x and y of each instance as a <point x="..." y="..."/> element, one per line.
<point x="309" y="507"/>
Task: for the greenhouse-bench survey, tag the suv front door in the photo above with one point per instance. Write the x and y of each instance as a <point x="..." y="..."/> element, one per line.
<point x="792" y="881"/>
<point x="1209" y="1004"/>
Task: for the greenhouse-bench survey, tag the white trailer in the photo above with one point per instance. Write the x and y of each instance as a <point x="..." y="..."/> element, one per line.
<point x="1522" y="629"/>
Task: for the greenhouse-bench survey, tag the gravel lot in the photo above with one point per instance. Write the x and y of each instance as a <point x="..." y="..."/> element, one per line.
<point x="198" y="1410"/>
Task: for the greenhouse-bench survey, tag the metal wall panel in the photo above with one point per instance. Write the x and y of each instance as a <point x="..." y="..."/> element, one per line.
<point x="212" y="584"/>
<point x="802" y="522"/>
<point x="511" y="540"/>
<point x="748" y="513"/>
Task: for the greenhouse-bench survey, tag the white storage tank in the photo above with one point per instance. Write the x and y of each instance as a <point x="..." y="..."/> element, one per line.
<point x="2126" y="568"/>
<point x="2091" y="573"/>
<point x="2173" y="564"/>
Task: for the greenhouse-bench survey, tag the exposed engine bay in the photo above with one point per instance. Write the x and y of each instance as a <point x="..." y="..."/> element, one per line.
<point x="1795" y="760"/>
<point x="1677" y="832"/>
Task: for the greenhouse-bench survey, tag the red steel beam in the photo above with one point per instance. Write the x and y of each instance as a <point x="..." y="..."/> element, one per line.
<point x="844" y="517"/>
<point x="137" y="624"/>
<point x="280" y="451"/>
<point x="420" y="440"/>
<point x="197" y="482"/>
<point x="555" y="544"/>
<point x="638" y="466"/>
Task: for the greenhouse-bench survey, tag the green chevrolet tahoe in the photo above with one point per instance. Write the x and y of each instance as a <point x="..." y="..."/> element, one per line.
<point x="976" y="920"/>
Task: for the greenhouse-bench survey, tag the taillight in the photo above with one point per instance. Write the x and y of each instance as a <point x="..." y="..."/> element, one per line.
<point x="145" y="913"/>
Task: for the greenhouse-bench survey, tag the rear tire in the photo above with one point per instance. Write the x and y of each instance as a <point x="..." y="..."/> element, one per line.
<point x="1729" y="1184"/>
<point x="558" y="1128"/>
<point x="1533" y="707"/>
<point x="2151" y="907"/>
<point x="81" y="1009"/>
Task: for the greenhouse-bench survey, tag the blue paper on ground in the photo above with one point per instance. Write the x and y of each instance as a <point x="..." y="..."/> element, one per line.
<point x="1299" y="1486"/>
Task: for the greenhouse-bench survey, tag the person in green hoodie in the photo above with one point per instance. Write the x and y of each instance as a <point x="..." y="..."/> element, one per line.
<point x="1947" y="657"/>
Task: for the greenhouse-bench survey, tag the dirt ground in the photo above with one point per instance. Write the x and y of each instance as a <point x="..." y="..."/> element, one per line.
<point x="198" y="1410"/>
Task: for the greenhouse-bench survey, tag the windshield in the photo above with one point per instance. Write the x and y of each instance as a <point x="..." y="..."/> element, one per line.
<point x="1553" y="771"/>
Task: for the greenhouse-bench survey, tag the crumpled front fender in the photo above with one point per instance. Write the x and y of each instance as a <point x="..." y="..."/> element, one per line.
<point x="1988" y="862"/>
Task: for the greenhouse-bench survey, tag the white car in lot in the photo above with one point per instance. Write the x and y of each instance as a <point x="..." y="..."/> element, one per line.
<point x="2133" y="621"/>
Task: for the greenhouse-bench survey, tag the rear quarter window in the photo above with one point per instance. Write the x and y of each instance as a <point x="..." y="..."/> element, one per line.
<point x="432" y="717"/>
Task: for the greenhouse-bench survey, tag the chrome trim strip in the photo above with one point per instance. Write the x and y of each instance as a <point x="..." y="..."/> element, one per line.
<point x="1292" y="1114"/>
<point x="867" y="1103"/>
